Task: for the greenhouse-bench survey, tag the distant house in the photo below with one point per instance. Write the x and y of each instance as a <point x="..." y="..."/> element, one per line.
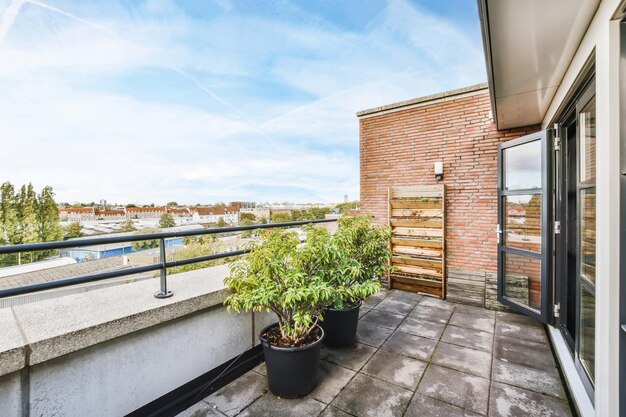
<point x="212" y="214"/>
<point x="77" y="214"/>
<point x="179" y="212"/>
<point x="145" y="212"/>
<point x="110" y="215"/>
<point x="257" y="211"/>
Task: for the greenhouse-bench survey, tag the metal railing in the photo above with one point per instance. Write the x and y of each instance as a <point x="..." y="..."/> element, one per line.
<point x="162" y="265"/>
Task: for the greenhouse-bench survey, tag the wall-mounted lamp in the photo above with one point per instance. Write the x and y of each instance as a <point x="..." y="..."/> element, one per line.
<point x="438" y="170"/>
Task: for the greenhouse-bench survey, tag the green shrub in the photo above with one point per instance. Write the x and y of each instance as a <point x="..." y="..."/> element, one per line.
<point x="285" y="277"/>
<point x="362" y="259"/>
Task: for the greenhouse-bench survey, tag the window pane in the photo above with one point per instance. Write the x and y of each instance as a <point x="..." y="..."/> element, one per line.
<point x="587" y="330"/>
<point x="587" y="119"/>
<point x="522" y="166"/>
<point x="588" y="234"/>
<point x="523" y="222"/>
<point x="522" y="280"/>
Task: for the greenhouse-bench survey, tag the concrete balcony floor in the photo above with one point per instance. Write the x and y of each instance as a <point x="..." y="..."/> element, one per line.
<point x="417" y="356"/>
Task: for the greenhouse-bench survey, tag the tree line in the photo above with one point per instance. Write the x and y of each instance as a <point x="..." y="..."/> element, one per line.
<point x="27" y="217"/>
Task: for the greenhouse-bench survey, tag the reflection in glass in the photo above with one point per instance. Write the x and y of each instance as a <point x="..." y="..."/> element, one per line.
<point x="522" y="280"/>
<point x="523" y="222"/>
<point x="587" y="119"/>
<point x="587" y="330"/>
<point x="588" y="234"/>
<point x="522" y="166"/>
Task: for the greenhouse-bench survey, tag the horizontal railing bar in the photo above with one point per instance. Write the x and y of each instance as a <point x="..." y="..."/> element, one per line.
<point x="31" y="247"/>
<point x="113" y="274"/>
<point x="205" y="258"/>
<point x="83" y="279"/>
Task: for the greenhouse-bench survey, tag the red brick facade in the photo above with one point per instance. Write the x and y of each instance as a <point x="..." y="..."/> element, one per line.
<point x="399" y="147"/>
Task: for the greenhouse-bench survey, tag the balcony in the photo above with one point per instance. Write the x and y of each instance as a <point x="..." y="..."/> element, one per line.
<point x="417" y="356"/>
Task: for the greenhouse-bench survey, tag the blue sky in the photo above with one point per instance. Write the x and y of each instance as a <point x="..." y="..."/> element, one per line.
<point x="202" y="101"/>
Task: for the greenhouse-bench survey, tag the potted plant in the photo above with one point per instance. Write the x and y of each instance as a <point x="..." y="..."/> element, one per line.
<point x="361" y="258"/>
<point x="282" y="275"/>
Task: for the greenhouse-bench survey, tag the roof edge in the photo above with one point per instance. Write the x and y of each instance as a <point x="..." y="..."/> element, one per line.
<point x="420" y="101"/>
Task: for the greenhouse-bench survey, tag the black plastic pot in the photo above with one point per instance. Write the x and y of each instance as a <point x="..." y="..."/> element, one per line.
<point x="340" y="326"/>
<point x="291" y="372"/>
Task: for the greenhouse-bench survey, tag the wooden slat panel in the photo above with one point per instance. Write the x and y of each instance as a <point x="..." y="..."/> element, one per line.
<point x="415" y="231"/>
<point x="406" y="212"/>
<point x="433" y="253"/>
<point x="429" y="263"/>
<point x="416" y="191"/>
<point x="417" y="204"/>
<point x="417" y="222"/>
<point x="418" y="271"/>
<point x="418" y="243"/>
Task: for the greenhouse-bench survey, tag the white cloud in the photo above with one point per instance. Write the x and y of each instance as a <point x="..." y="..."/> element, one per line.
<point x="268" y="114"/>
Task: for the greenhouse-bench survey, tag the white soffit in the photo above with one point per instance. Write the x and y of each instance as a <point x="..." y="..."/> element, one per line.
<point x="531" y="42"/>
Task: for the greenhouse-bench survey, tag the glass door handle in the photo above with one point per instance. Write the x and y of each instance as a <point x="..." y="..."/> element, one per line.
<point x="624" y="328"/>
<point x="498" y="232"/>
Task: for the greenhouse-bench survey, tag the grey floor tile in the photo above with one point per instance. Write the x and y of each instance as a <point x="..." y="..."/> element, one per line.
<point x="434" y="314"/>
<point x="457" y="388"/>
<point x="522" y="331"/>
<point x="471" y="361"/>
<point x="334" y="412"/>
<point x="200" y="409"/>
<point x="368" y="397"/>
<point x="422" y="328"/>
<point x="363" y="311"/>
<point x="237" y="395"/>
<point x="482" y="324"/>
<point x="260" y="369"/>
<point x="271" y="406"/>
<point x="403" y="295"/>
<point x="516" y="318"/>
<point x="353" y="357"/>
<point x="372" y="300"/>
<point x="523" y="352"/>
<point x="372" y="335"/>
<point x="542" y="381"/>
<point x="382" y="318"/>
<point x="409" y="345"/>
<point x="475" y="311"/>
<point x="423" y="406"/>
<point x="397" y="306"/>
<point x="436" y="302"/>
<point x="396" y="369"/>
<point x="331" y="379"/>
<point x="508" y="401"/>
<point x="468" y="338"/>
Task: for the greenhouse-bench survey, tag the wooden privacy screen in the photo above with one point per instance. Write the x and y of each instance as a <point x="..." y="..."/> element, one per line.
<point x="417" y="220"/>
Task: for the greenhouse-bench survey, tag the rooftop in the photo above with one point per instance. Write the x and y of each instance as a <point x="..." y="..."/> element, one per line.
<point x="417" y="356"/>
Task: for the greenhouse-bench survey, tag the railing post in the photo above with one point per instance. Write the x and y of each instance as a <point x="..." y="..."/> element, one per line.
<point x="163" y="292"/>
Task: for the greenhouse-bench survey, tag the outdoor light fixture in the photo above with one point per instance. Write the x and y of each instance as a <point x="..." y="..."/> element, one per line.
<point x="438" y="170"/>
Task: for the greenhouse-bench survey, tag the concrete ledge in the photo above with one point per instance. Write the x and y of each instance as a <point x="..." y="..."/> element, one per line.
<point x="37" y="332"/>
<point x="423" y="101"/>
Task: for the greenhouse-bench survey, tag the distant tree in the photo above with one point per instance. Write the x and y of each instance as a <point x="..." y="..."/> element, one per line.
<point x="131" y="205"/>
<point x="346" y="207"/>
<point x="201" y="239"/>
<point x="8" y="213"/>
<point x="172" y="204"/>
<point x="262" y="220"/>
<point x="49" y="228"/>
<point x="221" y="222"/>
<point x="27" y="215"/>
<point x="166" y="221"/>
<point x="246" y="222"/>
<point x="73" y="230"/>
<point x="146" y="244"/>
<point x="280" y="217"/>
<point x="247" y="216"/>
<point x="128" y="226"/>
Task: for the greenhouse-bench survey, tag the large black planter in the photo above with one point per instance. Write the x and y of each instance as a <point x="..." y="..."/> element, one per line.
<point x="291" y="372"/>
<point x="340" y="326"/>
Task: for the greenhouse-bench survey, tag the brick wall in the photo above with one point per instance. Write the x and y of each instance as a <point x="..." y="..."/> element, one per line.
<point x="400" y="146"/>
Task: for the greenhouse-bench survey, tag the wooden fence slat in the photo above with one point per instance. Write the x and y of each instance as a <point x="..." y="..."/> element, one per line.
<point x="428" y="204"/>
<point x="418" y="243"/>
<point x="436" y="223"/>
<point x="428" y="213"/>
<point x="408" y="250"/>
<point x="417" y="231"/>
<point x="429" y="263"/>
